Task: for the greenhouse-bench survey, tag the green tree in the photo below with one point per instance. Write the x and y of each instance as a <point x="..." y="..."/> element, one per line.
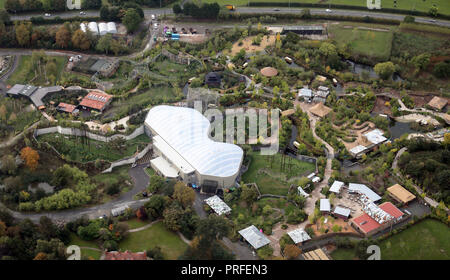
<point x="131" y="20"/>
<point x="328" y="49"/>
<point x="104" y="43"/>
<point x="184" y="194"/>
<point x="80" y="40"/>
<point x="384" y="69"/>
<point x="23" y="34"/>
<point x="8" y="164"/>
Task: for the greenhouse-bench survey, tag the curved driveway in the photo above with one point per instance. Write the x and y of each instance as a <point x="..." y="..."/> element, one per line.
<point x="140" y="180"/>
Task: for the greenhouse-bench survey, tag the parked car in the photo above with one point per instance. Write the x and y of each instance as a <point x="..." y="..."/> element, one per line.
<point x="155" y="25"/>
<point x="47" y="15"/>
<point x="153" y="17"/>
<point x="328" y="11"/>
<point x="276" y="10"/>
<point x="82" y="13"/>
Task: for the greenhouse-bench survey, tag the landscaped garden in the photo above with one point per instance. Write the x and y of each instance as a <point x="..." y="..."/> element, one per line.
<point x="272" y="176"/>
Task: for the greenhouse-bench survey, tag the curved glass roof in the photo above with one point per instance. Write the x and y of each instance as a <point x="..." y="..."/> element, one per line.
<point x="186" y="131"/>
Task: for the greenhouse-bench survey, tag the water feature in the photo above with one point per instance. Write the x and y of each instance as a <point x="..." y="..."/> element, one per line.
<point x="397" y="129"/>
<point x="358" y="68"/>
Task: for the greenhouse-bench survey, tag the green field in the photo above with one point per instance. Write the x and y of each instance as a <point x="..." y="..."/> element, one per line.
<point x="2" y="4"/>
<point x="372" y="44"/>
<point x="24" y="73"/>
<point x="73" y="148"/>
<point x="271" y="180"/>
<point x="136" y="223"/>
<point x="427" y="240"/>
<point x="157" y="235"/>
<point x="418" y="5"/>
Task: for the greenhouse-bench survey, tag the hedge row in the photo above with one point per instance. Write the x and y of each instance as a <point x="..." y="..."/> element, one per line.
<point x="41" y="20"/>
<point x="347" y="7"/>
<point x="288" y="16"/>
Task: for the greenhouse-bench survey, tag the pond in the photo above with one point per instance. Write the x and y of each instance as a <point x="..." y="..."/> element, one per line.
<point x="397" y="129"/>
<point x="358" y="68"/>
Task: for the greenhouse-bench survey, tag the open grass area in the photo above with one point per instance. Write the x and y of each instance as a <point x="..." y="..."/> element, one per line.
<point x="136" y="223"/>
<point x="266" y="172"/>
<point x="415" y="44"/>
<point x="2" y="4"/>
<point x="75" y="149"/>
<point x="375" y="45"/>
<point x="157" y="235"/>
<point x="17" y="115"/>
<point x="25" y="73"/>
<point x="418" y="5"/>
<point x="154" y="95"/>
<point x="76" y="240"/>
<point x="427" y="240"/>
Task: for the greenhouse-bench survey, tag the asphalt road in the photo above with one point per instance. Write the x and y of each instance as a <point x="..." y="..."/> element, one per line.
<point x="246" y="10"/>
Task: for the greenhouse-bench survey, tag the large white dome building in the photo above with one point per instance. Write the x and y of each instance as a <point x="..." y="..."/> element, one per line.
<point x="185" y="151"/>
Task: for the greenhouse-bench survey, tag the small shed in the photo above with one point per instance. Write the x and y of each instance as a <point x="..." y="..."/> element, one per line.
<point x="325" y="205"/>
<point x="341" y="212"/>
<point x="336" y="187"/>
<point x="299" y="235"/>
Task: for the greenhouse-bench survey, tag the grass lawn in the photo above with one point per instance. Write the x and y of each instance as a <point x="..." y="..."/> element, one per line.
<point x="427" y="240"/>
<point x="73" y="147"/>
<point x="76" y="240"/>
<point x="418" y="5"/>
<point x="24" y="72"/>
<point x="367" y="43"/>
<point x="415" y="44"/>
<point x="157" y="235"/>
<point x="136" y="223"/>
<point x="271" y="180"/>
<point x="2" y="4"/>
<point x="90" y="254"/>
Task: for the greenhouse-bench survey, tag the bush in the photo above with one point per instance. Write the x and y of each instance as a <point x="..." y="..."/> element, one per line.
<point x="110" y="245"/>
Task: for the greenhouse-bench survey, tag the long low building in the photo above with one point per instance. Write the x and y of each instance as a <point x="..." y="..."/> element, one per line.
<point x="34" y="93"/>
<point x="180" y="139"/>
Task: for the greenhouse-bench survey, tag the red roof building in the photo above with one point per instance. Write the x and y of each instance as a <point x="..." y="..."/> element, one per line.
<point x="368" y="226"/>
<point x="125" y="256"/>
<point x="64" y="107"/>
<point x="96" y="100"/>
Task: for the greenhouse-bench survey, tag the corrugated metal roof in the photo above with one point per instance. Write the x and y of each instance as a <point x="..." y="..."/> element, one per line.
<point x="325" y="204"/>
<point x="218" y="205"/>
<point x="336" y="186"/>
<point x="253" y="236"/>
<point x="299" y="235"/>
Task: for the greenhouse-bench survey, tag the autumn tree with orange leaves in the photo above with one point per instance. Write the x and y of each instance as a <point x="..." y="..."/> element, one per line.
<point x="31" y="157"/>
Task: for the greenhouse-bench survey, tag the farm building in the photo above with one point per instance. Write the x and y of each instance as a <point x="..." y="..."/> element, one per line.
<point x="400" y="194"/>
<point x="320" y="110"/>
<point x="180" y="138"/>
<point x="325" y="206"/>
<point x="336" y="186"/>
<point x="363" y="189"/>
<point x="111" y="27"/>
<point x="102" y="28"/>
<point x="372" y="139"/>
<point x="217" y="205"/>
<point x="35" y="94"/>
<point x="253" y="236"/>
<point x="96" y="100"/>
<point x="304" y="30"/>
<point x="438" y="103"/>
<point x="377" y="218"/>
<point x="341" y="212"/>
<point x="299" y="236"/>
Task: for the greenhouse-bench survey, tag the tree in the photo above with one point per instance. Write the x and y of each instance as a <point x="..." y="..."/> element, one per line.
<point x="131" y="20"/>
<point x="421" y="61"/>
<point x="384" y="69"/>
<point x="13" y="6"/>
<point x="23" y="34"/>
<point x="172" y="218"/>
<point x="248" y="194"/>
<point x="53" y="249"/>
<point x="177" y="9"/>
<point x="409" y="19"/>
<point x="63" y="37"/>
<point x="89" y="232"/>
<point x="104" y="45"/>
<point x="328" y="49"/>
<point x="433" y="11"/>
<point x="156" y="183"/>
<point x="8" y="164"/>
<point x="184" y="194"/>
<point x="80" y="40"/>
<point x="91" y="4"/>
<point x="292" y="252"/>
<point x="31" y="157"/>
<point x="156" y="205"/>
<point x="442" y="70"/>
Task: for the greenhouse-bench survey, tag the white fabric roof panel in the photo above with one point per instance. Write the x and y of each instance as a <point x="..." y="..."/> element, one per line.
<point x="325" y="204"/>
<point x="93" y="27"/>
<point x="363" y="189"/>
<point x="164" y="167"/>
<point x="218" y="205"/>
<point x="336" y="186"/>
<point x="253" y="236"/>
<point x="102" y="28"/>
<point x="172" y="155"/>
<point x="358" y="149"/>
<point x="305" y="92"/>
<point x="299" y="235"/>
<point x="111" y="26"/>
<point x="83" y="27"/>
<point x="186" y="131"/>
<point x="302" y="192"/>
